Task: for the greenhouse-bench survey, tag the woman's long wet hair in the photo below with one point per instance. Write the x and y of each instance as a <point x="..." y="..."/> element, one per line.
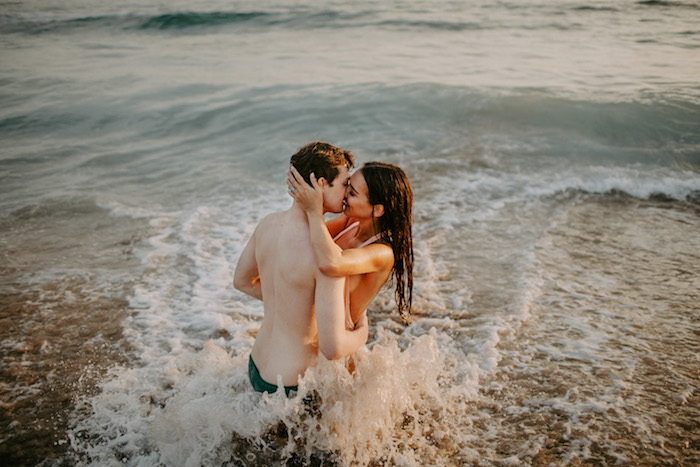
<point x="387" y="184"/>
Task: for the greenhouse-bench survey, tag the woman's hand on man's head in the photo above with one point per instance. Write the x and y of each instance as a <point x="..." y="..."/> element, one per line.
<point x="309" y="197"/>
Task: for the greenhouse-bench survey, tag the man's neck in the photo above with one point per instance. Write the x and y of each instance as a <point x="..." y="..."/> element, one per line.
<point x="296" y="210"/>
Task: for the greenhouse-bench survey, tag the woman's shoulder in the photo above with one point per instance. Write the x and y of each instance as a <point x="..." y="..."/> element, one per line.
<point x="382" y="253"/>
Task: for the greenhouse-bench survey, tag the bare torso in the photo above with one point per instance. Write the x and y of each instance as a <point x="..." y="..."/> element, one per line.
<point x="287" y="342"/>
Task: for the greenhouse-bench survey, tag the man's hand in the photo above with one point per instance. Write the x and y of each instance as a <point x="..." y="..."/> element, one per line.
<point x="363" y="322"/>
<point x="362" y="328"/>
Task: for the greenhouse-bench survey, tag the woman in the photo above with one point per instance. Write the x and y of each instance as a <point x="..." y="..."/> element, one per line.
<point x="369" y="241"/>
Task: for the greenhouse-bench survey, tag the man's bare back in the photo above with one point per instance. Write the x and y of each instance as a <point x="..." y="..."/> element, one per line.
<point x="304" y="310"/>
<point x="287" y="342"/>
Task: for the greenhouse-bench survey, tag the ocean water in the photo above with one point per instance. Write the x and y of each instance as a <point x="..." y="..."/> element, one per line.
<point x="554" y="152"/>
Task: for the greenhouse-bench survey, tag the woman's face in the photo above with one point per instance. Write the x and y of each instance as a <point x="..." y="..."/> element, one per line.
<point x="357" y="197"/>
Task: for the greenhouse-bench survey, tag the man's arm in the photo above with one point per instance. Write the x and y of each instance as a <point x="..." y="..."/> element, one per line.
<point x="246" y="277"/>
<point x="334" y="340"/>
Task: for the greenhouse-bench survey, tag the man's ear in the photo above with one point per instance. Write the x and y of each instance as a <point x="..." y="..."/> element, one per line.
<point x="322" y="182"/>
<point x="377" y="210"/>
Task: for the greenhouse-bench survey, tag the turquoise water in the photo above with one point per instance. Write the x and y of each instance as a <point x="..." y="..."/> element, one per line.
<point x="554" y="153"/>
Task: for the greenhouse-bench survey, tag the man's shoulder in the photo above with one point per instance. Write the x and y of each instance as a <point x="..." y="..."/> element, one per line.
<point x="286" y="236"/>
<point x="271" y="219"/>
<point x="278" y="224"/>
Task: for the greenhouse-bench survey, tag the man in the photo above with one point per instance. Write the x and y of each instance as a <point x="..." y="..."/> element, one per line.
<point x="278" y="267"/>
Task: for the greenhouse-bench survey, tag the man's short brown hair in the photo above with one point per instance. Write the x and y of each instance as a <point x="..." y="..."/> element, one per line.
<point x="321" y="159"/>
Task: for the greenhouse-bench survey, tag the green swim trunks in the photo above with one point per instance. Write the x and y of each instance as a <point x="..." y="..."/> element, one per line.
<point x="259" y="384"/>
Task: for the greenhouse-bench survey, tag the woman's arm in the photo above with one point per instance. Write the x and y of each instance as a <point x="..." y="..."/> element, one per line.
<point x="330" y="258"/>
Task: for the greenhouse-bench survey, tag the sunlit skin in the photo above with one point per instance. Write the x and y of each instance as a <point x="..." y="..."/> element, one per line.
<point x="357" y="206"/>
<point x="277" y="266"/>
<point x="368" y="267"/>
<point x="334" y="195"/>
